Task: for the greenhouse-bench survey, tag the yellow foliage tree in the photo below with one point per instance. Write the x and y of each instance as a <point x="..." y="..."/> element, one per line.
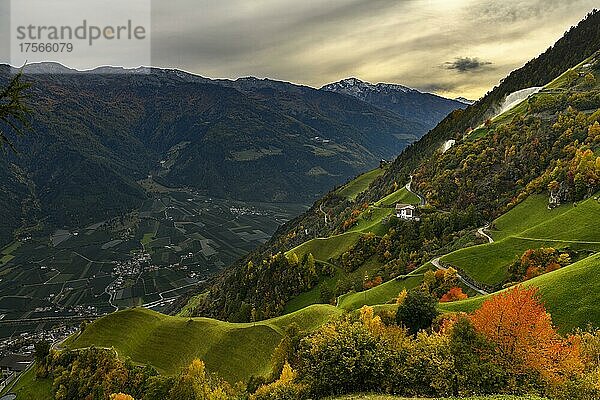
<point x="401" y="296"/>
<point x="370" y="321"/>
<point x="282" y="388"/>
<point x="120" y="396"/>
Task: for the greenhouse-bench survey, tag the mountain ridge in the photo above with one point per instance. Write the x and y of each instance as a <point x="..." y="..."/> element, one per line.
<point x="399" y="99"/>
<point x="267" y="140"/>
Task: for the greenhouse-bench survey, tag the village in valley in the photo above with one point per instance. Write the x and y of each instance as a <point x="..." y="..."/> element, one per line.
<point x="50" y="284"/>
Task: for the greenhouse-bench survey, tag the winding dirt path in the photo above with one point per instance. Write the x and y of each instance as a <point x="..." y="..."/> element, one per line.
<point x="481" y="232"/>
<point x="436" y="263"/>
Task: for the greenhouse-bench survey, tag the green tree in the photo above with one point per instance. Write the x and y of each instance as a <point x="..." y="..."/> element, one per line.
<point x="589" y="80"/>
<point x="343" y="357"/>
<point x="417" y="312"/>
<point x="13" y="111"/>
<point x="42" y="350"/>
<point x="474" y="373"/>
<point x="326" y="294"/>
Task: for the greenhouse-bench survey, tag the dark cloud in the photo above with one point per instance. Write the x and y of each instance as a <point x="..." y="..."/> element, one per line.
<point x="437" y="87"/>
<point x="466" y="64"/>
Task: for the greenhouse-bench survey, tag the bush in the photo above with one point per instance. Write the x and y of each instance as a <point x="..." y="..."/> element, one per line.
<point x="343" y="357"/>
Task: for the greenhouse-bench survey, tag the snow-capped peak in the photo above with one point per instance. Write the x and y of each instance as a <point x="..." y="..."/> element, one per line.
<point x="355" y="86"/>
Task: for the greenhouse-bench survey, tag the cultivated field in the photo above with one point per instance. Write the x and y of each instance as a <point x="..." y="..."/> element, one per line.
<point x="151" y="256"/>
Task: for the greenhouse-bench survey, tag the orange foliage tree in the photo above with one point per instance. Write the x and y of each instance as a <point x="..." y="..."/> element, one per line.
<point x="524" y="339"/>
<point x="454" y="294"/>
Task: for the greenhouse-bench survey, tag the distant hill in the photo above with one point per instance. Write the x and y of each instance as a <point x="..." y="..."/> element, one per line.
<point x="426" y="108"/>
<point x="96" y="133"/>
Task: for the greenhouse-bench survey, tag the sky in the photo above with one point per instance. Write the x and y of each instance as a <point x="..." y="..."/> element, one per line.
<point x="449" y="47"/>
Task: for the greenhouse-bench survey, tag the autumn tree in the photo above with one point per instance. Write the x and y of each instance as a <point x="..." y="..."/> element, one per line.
<point x="454" y="294"/>
<point x="284" y="388"/>
<point x="525" y="342"/>
<point x="535" y="262"/>
<point x="192" y="383"/>
<point x="401" y="296"/>
<point x="120" y="396"/>
<point x="440" y="282"/>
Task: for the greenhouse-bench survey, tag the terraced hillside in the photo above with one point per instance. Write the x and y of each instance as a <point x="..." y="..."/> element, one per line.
<point x="529" y="225"/>
<point x="372" y="220"/>
<point x="383" y="293"/>
<point x="489" y="170"/>
<point x="571" y="295"/>
<point x="234" y="351"/>
<point x="356" y="186"/>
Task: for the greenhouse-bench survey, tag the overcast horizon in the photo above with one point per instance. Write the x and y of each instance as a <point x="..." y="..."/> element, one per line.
<point x="452" y="48"/>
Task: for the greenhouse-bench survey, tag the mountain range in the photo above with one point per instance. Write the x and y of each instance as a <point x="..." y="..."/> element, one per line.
<point x="409" y="103"/>
<point x="95" y="134"/>
<point x="489" y="287"/>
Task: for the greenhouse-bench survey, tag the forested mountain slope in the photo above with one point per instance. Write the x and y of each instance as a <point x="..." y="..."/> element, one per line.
<point x="486" y="172"/>
<point x="95" y="134"/>
<point x="578" y="43"/>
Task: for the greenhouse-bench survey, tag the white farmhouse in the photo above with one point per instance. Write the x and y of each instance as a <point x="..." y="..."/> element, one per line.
<point x="407" y="211"/>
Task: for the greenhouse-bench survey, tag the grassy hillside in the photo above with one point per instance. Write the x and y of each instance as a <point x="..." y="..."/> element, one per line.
<point x="324" y="249"/>
<point x="30" y="388"/>
<point x="234" y="351"/>
<point x="358" y="185"/>
<point x="529" y="225"/>
<point x="526" y="214"/>
<point x="571" y="294"/>
<point x="370" y="220"/>
<point x="383" y="293"/>
<point x="399" y="196"/>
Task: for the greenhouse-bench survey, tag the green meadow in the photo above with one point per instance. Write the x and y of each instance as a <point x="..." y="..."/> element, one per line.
<point x="359" y="184"/>
<point x="530" y="225"/>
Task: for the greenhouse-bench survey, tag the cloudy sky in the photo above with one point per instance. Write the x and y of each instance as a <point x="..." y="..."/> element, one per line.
<point x="450" y="47"/>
